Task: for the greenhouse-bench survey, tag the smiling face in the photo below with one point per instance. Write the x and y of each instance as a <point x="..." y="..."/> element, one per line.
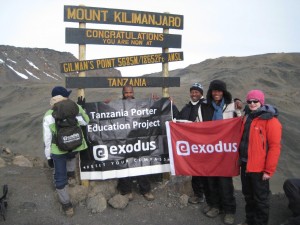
<point x="217" y="95"/>
<point x="195" y="95"/>
<point x="253" y="104"/>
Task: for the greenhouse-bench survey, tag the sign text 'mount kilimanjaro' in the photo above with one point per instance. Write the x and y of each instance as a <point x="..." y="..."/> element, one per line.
<point x="79" y="66"/>
<point x="119" y="37"/>
<point x="122" y="17"/>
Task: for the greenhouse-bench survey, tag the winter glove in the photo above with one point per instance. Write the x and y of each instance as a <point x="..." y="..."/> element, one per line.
<point x="81" y="101"/>
<point x="50" y="163"/>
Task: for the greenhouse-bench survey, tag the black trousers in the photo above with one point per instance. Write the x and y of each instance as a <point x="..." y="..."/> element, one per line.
<point x="221" y="194"/>
<point x="257" y="197"/>
<point x="125" y="184"/>
<point x="291" y="188"/>
<point x="198" y="186"/>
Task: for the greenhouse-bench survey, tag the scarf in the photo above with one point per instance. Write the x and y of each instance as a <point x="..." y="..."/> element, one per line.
<point x="243" y="149"/>
<point x="194" y="103"/>
<point x="218" y="113"/>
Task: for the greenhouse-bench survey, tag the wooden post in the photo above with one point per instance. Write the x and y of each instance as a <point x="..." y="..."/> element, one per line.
<point x="80" y="92"/>
<point x="82" y="56"/>
<point x="165" y="90"/>
<point x="165" y="68"/>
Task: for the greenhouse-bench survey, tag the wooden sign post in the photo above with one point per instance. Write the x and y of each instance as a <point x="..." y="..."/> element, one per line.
<point x="83" y="36"/>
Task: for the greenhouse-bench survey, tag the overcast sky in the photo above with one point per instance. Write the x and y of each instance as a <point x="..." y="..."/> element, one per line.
<point x="212" y="28"/>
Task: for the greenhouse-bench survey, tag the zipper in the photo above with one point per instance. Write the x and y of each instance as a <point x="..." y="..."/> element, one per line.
<point x="262" y="138"/>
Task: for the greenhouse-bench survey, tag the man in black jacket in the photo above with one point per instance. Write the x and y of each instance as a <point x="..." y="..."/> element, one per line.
<point x="192" y="112"/>
<point x="291" y="189"/>
<point x="124" y="184"/>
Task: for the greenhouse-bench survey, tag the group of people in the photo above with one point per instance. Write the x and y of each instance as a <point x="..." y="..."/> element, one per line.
<point x="64" y="163"/>
<point x="218" y="105"/>
<point x="259" y="153"/>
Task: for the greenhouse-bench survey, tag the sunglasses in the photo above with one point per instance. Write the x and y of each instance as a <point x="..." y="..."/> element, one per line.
<point x="252" y="101"/>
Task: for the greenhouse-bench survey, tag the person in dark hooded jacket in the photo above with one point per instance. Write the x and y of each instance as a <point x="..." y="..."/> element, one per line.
<point x="259" y="154"/>
<point x="221" y="190"/>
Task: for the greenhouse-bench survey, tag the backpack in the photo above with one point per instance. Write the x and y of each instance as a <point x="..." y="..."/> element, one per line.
<point x="68" y="133"/>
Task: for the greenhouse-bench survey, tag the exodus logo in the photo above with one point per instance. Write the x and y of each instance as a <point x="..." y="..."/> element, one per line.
<point x="71" y="138"/>
<point x="101" y="152"/>
<point x="184" y="148"/>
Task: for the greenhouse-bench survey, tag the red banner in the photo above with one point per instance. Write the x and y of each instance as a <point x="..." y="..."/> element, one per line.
<point x="204" y="148"/>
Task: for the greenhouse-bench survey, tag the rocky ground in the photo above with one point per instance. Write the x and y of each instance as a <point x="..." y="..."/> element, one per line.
<point x="32" y="200"/>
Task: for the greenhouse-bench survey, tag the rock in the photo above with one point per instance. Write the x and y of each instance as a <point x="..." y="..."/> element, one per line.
<point x="118" y="201"/>
<point x="183" y="200"/>
<point x="180" y="184"/>
<point x="108" y="188"/>
<point x="37" y="161"/>
<point x="2" y="163"/>
<point x="97" y="203"/>
<point x="6" y="151"/>
<point x="20" y="160"/>
<point x="78" y="193"/>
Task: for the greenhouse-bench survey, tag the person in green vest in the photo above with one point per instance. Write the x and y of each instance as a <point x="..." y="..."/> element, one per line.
<point x="63" y="162"/>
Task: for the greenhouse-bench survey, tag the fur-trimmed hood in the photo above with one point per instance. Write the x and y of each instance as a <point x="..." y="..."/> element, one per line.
<point x="220" y="86"/>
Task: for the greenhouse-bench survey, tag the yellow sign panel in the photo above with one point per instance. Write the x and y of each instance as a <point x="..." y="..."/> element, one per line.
<point x="78" y="66"/>
<point x="122" y="17"/>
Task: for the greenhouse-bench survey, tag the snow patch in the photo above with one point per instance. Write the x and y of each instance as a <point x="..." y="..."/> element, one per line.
<point x="18" y="73"/>
<point x="1" y="61"/>
<point x="32" y="74"/>
<point x="31" y="64"/>
<point x="48" y="75"/>
<point x="8" y="59"/>
<point x="57" y="75"/>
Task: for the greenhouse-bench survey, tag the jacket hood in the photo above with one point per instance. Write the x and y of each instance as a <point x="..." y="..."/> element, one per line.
<point x="265" y="112"/>
<point x="268" y="112"/>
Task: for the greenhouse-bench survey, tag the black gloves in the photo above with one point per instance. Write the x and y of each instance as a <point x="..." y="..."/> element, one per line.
<point x="81" y="101"/>
<point x="50" y="163"/>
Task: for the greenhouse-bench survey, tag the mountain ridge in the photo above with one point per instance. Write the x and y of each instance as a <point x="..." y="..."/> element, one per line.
<point x="38" y="65"/>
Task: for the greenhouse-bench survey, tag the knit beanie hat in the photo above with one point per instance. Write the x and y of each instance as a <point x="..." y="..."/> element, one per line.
<point x="197" y="87"/>
<point x="58" y="90"/>
<point x="256" y="94"/>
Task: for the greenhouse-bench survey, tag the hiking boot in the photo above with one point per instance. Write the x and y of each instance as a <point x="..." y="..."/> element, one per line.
<point x="206" y="209"/>
<point x="149" y="196"/>
<point x="196" y="200"/>
<point x="229" y="219"/>
<point x="129" y="196"/>
<point x="213" y="212"/>
<point x="68" y="209"/>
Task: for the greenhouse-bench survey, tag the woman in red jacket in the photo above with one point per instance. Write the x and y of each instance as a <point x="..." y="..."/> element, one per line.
<point x="259" y="154"/>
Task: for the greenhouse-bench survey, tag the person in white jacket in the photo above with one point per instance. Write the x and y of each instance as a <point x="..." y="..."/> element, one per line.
<point x="63" y="162"/>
